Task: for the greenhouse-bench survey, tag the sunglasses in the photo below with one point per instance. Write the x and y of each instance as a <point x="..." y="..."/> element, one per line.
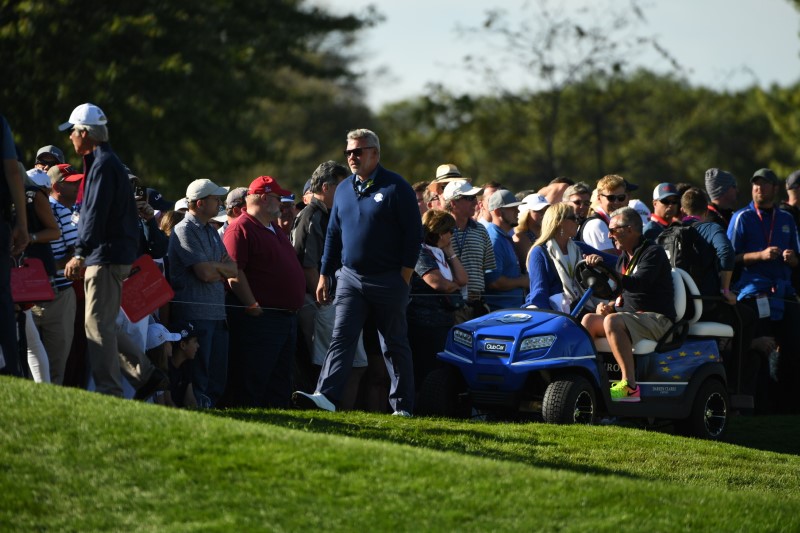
<point x="356" y="152"/>
<point x="615" y="197"/>
<point x="46" y="163"/>
<point x="669" y="202"/>
<point x="614" y="231"/>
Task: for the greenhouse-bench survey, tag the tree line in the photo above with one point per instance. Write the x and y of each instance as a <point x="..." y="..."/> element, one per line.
<point x="233" y="89"/>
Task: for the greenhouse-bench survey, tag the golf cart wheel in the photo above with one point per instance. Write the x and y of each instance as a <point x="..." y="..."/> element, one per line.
<point x="440" y="392"/>
<point x="569" y="400"/>
<point x="709" y="416"/>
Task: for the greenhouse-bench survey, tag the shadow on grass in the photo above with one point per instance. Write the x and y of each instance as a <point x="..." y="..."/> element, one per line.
<point x="423" y="435"/>
<point x="779" y="434"/>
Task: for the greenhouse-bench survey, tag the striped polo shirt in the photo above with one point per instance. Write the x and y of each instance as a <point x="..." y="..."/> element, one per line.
<point x="473" y="247"/>
<point x="69" y="236"/>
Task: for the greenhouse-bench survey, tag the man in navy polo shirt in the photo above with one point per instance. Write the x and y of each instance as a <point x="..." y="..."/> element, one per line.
<point x="765" y="242"/>
<point x="268" y="290"/>
<point x="375" y="234"/>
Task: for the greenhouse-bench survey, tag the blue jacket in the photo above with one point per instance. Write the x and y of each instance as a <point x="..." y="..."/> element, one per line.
<point x="108" y="229"/>
<point x="713" y="234"/>
<point x="544" y="276"/>
<point x="376" y="231"/>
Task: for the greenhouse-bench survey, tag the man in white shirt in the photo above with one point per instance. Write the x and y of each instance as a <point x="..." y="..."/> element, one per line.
<point x="611" y="195"/>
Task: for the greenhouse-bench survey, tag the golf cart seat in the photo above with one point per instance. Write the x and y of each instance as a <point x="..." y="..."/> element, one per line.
<point x="702" y="329"/>
<point x="646" y="346"/>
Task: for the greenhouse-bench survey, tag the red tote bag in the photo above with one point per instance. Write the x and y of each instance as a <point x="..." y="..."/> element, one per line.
<point x="145" y="289"/>
<point x="30" y="282"/>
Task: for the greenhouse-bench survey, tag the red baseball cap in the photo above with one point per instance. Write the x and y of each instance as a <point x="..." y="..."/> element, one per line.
<point x="265" y="185"/>
<point x="64" y="172"/>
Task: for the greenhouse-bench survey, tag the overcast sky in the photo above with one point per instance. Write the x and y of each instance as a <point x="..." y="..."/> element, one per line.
<point x="725" y="44"/>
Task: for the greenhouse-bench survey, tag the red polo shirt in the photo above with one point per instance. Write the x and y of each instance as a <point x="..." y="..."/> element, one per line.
<point x="268" y="260"/>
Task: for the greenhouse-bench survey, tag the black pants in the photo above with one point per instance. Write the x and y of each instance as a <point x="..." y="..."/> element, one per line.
<point x="741" y="365"/>
<point x="783" y="381"/>
<point x="8" y="325"/>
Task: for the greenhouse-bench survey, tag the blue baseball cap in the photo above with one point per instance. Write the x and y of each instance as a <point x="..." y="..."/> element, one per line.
<point x="664" y="190"/>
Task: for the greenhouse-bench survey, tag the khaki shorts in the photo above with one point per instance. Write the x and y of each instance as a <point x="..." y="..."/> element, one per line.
<point x="650" y="326"/>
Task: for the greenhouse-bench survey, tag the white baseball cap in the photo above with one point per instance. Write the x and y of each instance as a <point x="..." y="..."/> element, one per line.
<point x="157" y="335"/>
<point x="460" y="188"/>
<point x="641" y="208"/>
<point x="39" y="177"/>
<point x="533" y="202"/>
<point x="181" y="204"/>
<point x="202" y="188"/>
<point x="85" y="114"/>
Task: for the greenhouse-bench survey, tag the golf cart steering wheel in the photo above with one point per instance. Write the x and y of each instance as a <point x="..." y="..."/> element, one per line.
<point x="604" y="282"/>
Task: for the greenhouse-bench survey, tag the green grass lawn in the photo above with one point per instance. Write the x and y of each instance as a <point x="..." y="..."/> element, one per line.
<point x="75" y="461"/>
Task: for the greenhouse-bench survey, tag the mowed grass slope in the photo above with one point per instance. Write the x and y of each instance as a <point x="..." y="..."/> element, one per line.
<point x="75" y="461"/>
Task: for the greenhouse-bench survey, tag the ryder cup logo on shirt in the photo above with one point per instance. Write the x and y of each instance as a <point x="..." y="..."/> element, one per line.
<point x="785" y="229"/>
<point x="379" y="197"/>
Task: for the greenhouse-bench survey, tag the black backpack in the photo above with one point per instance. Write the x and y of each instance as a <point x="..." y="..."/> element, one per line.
<point x="579" y="234"/>
<point x="688" y="250"/>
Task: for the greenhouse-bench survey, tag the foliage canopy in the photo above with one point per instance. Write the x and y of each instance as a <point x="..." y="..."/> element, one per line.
<point x="190" y="88"/>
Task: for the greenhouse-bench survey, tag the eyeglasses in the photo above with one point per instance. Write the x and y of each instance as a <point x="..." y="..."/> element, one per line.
<point x="356" y="152"/>
<point x="669" y="202"/>
<point x="615" y="197"/>
<point x="616" y="230"/>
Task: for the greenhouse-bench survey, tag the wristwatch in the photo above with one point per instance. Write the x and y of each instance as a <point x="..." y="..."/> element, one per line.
<point x="79" y="257"/>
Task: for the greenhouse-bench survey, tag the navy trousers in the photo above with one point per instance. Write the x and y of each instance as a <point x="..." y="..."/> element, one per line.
<point x="262" y="358"/>
<point x="210" y="365"/>
<point x="385" y="298"/>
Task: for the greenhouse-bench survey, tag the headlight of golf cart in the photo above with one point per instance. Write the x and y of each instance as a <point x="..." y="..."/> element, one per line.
<point x="537" y="343"/>
<point x="462" y="337"/>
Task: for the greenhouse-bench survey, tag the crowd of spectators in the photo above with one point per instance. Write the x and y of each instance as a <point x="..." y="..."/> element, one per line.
<point x="345" y="292"/>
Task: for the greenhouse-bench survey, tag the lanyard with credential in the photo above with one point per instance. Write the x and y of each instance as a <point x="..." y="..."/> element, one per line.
<point x="771" y="226"/>
<point x="635" y="259"/>
<point x="463" y="241"/>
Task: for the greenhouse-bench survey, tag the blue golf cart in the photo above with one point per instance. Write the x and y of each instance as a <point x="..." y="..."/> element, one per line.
<point x="544" y="363"/>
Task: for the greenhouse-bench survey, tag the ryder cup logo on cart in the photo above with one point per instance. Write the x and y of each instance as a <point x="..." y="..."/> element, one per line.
<point x="379" y="197"/>
<point x="514" y="318"/>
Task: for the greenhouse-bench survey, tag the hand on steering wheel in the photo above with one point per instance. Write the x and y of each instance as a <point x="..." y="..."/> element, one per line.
<point x="605" y="283"/>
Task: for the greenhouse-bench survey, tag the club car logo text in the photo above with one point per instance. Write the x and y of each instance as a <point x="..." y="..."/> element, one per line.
<point x="494" y="347"/>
